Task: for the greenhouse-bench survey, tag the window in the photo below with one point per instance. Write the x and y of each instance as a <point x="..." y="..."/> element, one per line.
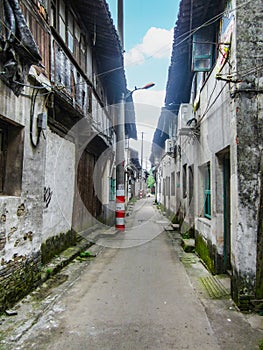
<point x="70" y="32"/>
<point x="112" y="194"/>
<point x="202" y="50"/>
<point x="82" y="51"/>
<point x="207" y="191"/>
<point x="53" y="15"/>
<point x="11" y="152"/>
<point x="190" y="184"/>
<point x="173" y="183"/>
<point x="62" y="20"/>
<point x="167" y="186"/>
<point x="184" y="181"/>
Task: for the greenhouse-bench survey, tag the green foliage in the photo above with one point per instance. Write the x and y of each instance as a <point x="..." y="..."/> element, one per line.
<point x="133" y="200"/>
<point x="150" y="181"/>
<point x="260" y="345"/>
<point x="85" y="254"/>
<point x="186" y="235"/>
<point x="48" y="271"/>
<point x="203" y="251"/>
<point x="56" y="244"/>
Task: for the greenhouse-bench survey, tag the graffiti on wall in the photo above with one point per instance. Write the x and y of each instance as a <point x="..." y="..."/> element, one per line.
<point x="47" y="196"/>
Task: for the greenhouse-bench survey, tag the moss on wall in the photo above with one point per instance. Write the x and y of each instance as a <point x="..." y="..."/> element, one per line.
<point x="56" y="244"/>
<point x="259" y="278"/>
<point x="19" y="277"/>
<point x="202" y="249"/>
<point x="243" y="290"/>
<point x="22" y="274"/>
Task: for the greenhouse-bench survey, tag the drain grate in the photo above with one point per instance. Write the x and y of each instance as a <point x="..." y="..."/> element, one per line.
<point x="214" y="287"/>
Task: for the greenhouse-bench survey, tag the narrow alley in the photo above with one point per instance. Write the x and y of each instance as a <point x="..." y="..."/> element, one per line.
<point x="136" y="294"/>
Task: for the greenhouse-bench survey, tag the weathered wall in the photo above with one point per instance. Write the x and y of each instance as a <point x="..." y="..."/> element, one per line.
<point x="167" y="195"/>
<point x="21" y="216"/>
<point x="59" y="185"/>
<point x="57" y="231"/>
<point x="248" y="98"/>
<point x="217" y="133"/>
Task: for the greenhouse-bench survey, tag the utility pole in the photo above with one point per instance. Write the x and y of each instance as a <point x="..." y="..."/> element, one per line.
<point x="120" y="159"/>
<point x="141" y="181"/>
<point x="120" y="162"/>
<point x="120" y="144"/>
<point x="120" y="22"/>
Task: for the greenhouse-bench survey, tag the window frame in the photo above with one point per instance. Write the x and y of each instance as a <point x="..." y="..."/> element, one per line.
<point x="173" y="183"/>
<point x="203" y="38"/>
<point x="112" y="189"/>
<point x="68" y="28"/>
<point x="184" y="180"/>
<point x="3" y="153"/>
<point x="207" y="191"/>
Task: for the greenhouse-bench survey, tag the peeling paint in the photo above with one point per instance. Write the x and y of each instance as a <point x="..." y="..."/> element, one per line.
<point x="11" y="233"/>
<point x="2" y="239"/>
<point x="3" y="218"/>
<point x="21" y="210"/>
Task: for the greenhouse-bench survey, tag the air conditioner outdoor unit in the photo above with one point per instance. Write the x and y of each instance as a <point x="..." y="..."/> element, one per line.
<point x="185" y="113"/>
<point x="169" y="146"/>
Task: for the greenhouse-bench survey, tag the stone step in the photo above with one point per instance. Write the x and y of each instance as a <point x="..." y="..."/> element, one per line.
<point x="188" y="244"/>
<point x="175" y="226"/>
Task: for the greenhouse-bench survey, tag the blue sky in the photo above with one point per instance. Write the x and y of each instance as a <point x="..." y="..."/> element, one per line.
<point x="148" y="36"/>
<point x="139" y="17"/>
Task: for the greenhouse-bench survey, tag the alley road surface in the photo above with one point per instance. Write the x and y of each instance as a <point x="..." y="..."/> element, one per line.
<point x="135" y="295"/>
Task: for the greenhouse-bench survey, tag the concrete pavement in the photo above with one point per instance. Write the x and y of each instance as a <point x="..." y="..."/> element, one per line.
<point x="143" y="292"/>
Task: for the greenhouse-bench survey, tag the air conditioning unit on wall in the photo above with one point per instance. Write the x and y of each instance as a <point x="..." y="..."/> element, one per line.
<point x="186" y="113"/>
<point x="169" y="146"/>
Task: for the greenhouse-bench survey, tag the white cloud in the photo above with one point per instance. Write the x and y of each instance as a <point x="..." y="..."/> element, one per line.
<point x="157" y="43"/>
<point x="153" y="98"/>
<point x="147" y="104"/>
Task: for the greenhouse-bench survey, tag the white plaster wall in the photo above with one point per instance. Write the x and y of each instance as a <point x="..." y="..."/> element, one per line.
<point x="15" y="228"/>
<point x="105" y="190"/>
<point x="21" y="216"/>
<point x="59" y="179"/>
<point x="166" y="167"/>
<point x="246" y="242"/>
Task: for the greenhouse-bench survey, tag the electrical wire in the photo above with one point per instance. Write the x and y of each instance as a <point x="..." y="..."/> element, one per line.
<point x="244" y="73"/>
<point x="210" y="97"/>
<point x="212" y="104"/>
<point x="33" y="86"/>
<point x="32" y="111"/>
<point x="189" y="35"/>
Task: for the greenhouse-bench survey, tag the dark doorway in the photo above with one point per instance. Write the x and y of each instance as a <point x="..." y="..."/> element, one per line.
<point x="227" y="214"/>
<point x="191" y="193"/>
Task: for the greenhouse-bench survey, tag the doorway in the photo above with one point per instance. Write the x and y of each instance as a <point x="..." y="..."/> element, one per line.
<point x="223" y="204"/>
<point x="227" y="214"/>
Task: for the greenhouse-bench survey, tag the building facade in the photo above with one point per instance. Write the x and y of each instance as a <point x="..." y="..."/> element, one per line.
<point x="210" y="164"/>
<point x="61" y="76"/>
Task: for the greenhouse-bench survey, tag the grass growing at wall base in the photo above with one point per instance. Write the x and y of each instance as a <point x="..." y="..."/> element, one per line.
<point x="56" y="244"/>
<point x="202" y="250"/>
